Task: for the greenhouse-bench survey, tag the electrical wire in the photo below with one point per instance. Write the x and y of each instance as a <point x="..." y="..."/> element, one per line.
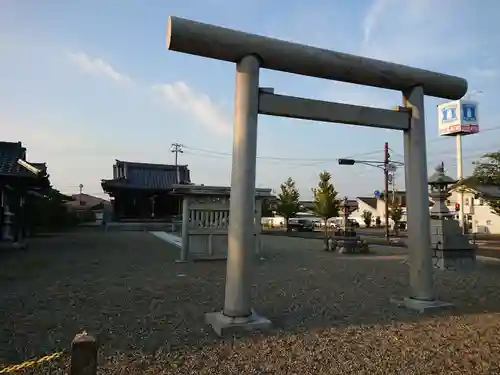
<point x="290" y="162"/>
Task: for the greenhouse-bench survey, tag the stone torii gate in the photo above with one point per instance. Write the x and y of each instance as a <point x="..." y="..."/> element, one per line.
<point x="250" y="53"/>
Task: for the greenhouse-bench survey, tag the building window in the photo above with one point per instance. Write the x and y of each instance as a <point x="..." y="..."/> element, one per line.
<point x="481" y="202"/>
<point x="466" y="201"/>
<point x="448" y="202"/>
<point x="488" y="222"/>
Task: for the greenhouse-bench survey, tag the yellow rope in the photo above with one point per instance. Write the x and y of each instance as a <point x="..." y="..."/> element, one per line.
<point x="31" y="362"/>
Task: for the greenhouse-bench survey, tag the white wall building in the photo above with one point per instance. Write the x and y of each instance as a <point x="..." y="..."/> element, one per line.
<point x="478" y="214"/>
<point x="376" y="205"/>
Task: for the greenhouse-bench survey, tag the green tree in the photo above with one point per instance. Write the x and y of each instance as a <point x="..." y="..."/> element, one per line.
<point x="326" y="204"/>
<point x="487" y="171"/>
<point x="367" y="218"/>
<point x="288" y="200"/>
<point x="396" y="213"/>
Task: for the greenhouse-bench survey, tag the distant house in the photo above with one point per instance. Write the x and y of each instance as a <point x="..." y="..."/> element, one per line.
<point x="477" y="212"/>
<point x="366" y="204"/>
<point x="144" y="190"/>
<point x="376" y="205"/>
<point x="86" y="206"/>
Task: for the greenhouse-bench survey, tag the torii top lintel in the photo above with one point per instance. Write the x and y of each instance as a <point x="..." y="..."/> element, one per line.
<point x="225" y="44"/>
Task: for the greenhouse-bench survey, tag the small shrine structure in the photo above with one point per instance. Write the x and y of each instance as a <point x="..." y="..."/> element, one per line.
<point x="346" y="241"/>
<point x="205" y="221"/>
<point x="451" y="248"/>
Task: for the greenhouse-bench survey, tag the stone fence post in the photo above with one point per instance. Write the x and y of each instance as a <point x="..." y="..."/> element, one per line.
<point x="83" y="355"/>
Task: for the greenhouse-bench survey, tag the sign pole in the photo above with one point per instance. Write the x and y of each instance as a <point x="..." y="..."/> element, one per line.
<point x="460" y="176"/>
<point x="457" y="119"/>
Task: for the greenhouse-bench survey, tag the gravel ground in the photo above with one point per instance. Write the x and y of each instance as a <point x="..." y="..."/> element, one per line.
<point x="331" y="313"/>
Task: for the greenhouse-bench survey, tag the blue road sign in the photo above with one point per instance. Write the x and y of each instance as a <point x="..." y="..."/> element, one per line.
<point x="377" y="193"/>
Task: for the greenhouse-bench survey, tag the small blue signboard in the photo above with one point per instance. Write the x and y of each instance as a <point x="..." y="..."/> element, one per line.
<point x="449" y="113"/>
<point x="469" y="112"/>
<point x="377" y="193"/>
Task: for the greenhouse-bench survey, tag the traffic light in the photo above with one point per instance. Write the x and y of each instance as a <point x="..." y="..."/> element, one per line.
<point x="347" y="161"/>
<point x="457" y="207"/>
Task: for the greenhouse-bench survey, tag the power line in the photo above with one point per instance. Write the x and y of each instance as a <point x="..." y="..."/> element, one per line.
<point x="278" y="158"/>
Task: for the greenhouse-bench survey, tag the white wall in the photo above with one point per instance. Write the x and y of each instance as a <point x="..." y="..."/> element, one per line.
<point x="358" y="214"/>
<point x="381" y="212"/>
<point x="483" y="220"/>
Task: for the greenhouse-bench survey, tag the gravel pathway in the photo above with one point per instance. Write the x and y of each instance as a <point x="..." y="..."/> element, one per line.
<point x="331" y="313"/>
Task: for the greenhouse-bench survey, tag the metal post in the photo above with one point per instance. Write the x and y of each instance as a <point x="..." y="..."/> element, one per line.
<point x="420" y="255"/>
<point x="460" y="176"/>
<point x="185" y="230"/>
<point x="386" y="188"/>
<point x="242" y="200"/>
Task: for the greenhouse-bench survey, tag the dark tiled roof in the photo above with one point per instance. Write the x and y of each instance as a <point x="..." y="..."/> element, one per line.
<point x="399" y="195"/>
<point x="41" y="166"/>
<point x="148" y="175"/>
<point x="10" y="153"/>
<point x="486" y="190"/>
<point x="370" y="201"/>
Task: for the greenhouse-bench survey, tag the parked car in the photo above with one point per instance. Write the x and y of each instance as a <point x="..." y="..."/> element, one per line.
<point x="354" y="223"/>
<point x="301" y="225"/>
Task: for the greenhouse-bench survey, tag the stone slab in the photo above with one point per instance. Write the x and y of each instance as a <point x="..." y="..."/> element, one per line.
<point x="168" y="237"/>
<point x="225" y="326"/>
<point x="454" y="263"/>
<point x="421" y="306"/>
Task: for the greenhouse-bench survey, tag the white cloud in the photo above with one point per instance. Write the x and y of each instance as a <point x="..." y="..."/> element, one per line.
<point x="419" y="33"/>
<point x="372" y="17"/>
<point x="196" y="104"/>
<point x="98" y="67"/>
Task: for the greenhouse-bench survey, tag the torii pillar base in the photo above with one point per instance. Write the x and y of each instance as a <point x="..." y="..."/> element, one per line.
<point x="225" y="325"/>
<point x="422" y="306"/>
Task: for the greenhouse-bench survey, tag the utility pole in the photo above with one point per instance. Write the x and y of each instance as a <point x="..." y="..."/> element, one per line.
<point x="386" y="187"/>
<point x="176" y="148"/>
<point x="80" y="196"/>
<point x="387" y="166"/>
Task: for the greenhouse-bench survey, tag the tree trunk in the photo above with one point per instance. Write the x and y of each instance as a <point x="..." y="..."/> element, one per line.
<point x="325" y="235"/>
<point x="286" y="225"/>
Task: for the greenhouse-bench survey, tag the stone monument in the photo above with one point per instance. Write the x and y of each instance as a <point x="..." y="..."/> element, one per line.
<point x="346" y="241"/>
<point x="451" y="249"/>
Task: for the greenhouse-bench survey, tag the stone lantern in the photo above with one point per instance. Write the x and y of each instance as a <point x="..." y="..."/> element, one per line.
<point x="345" y="211"/>
<point x="439" y="191"/>
<point x="451" y="249"/>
